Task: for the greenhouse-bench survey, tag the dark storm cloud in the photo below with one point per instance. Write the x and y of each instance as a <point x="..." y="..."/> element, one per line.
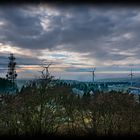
<point x="24" y="30"/>
<point x="20" y="60"/>
<point x="83" y="29"/>
<point x="3" y="64"/>
<point x="24" y="60"/>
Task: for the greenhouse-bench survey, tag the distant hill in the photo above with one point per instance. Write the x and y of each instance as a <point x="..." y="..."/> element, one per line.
<point x="21" y="82"/>
<point x="127" y="79"/>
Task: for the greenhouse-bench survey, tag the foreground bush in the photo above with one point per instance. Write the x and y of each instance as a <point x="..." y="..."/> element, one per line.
<point x="47" y="108"/>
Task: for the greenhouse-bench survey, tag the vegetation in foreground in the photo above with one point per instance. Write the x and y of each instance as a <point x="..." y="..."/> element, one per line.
<point x="46" y="107"/>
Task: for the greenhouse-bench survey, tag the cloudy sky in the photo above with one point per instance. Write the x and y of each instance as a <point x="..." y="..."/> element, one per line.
<point x="73" y="38"/>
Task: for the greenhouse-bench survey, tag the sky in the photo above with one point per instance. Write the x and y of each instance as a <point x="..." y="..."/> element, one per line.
<point x="73" y="38"/>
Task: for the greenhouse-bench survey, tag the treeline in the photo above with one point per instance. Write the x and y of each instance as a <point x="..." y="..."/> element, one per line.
<point x="44" y="107"/>
<point x="5" y="85"/>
